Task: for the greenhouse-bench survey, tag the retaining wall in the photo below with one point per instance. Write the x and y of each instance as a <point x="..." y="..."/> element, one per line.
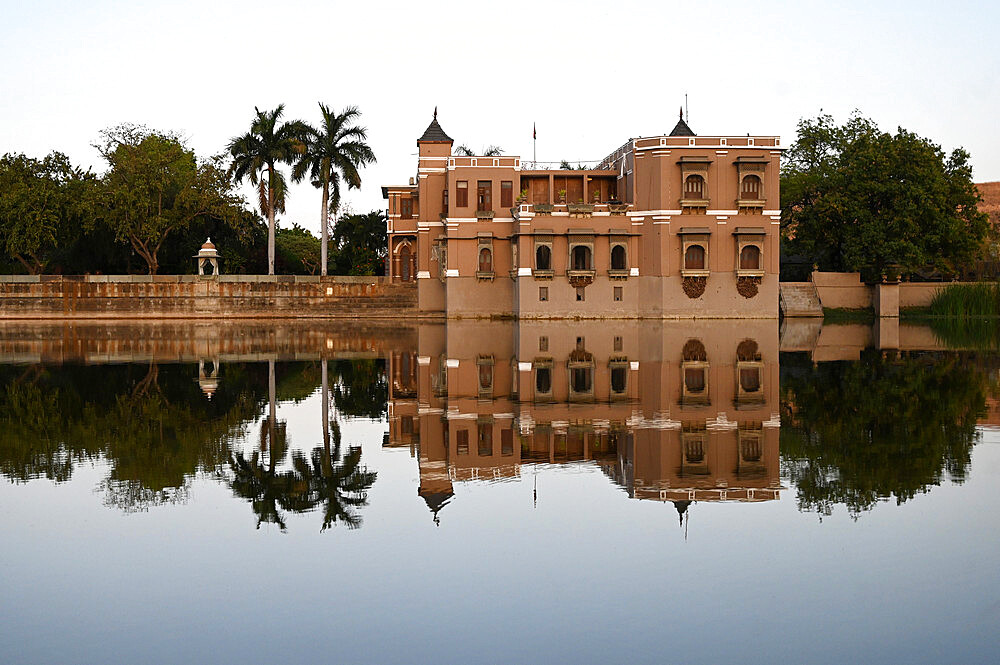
<point x="193" y="296"/>
<point x="845" y="289"/>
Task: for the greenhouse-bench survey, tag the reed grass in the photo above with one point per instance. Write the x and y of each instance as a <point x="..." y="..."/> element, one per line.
<point x="967" y="300"/>
<point x="974" y="333"/>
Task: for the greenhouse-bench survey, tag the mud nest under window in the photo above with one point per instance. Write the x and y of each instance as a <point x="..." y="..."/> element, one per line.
<point x="694" y="287"/>
<point x="578" y="281"/>
<point x="748" y="286"/>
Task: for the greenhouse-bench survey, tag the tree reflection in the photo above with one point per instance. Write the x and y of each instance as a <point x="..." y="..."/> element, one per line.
<point x="152" y="424"/>
<point x="328" y="477"/>
<point x="361" y="389"/>
<point x="335" y="480"/>
<point x="883" y="427"/>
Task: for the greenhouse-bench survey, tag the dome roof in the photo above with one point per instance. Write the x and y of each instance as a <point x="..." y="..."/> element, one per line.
<point x="207" y="250"/>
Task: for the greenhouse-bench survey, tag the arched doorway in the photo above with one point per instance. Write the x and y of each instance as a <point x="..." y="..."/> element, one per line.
<point x="404" y="263"/>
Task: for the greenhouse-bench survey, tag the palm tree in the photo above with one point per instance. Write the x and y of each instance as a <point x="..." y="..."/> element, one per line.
<point x="255" y="155"/>
<point x="464" y="150"/>
<point x="334" y="152"/>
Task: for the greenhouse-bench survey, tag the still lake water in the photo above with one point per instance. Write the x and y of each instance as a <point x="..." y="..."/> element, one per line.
<point x="690" y="492"/>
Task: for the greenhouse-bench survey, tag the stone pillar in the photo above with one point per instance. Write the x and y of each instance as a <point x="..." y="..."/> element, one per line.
<point x="887" y="300"/>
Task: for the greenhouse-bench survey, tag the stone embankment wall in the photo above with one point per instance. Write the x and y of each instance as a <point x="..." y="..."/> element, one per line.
<point x="178" y="341"/>
<point x="192" y="296"/>
<point x="845" y="289"/>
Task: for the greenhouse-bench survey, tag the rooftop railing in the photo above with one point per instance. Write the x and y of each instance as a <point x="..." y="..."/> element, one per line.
<point x="570" y="209"/>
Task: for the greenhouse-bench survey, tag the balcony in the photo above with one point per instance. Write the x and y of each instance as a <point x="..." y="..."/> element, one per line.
<point x="750" y="205"/>
<point x="484" y="214"/>
<point x="618" y="274"/>
<point x="578" y="278"/>
<point x="694" y="204"/>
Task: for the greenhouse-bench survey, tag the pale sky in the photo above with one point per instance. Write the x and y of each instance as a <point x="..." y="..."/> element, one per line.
<point x="591" y="74"/>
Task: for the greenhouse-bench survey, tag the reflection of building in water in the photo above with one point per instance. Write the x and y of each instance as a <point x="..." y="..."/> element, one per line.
<point x="674" y="411"/>
<point x="208" y="376"/>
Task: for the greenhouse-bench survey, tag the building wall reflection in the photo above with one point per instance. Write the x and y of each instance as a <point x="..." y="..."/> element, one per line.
<point x="670" y="411"/>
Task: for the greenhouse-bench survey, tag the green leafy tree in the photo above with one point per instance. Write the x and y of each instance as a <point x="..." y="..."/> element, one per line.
<point x="156" y="187"/>
<point x="42" y="206"/>
<point x="298" y="250"/>
<point x="334" y="152"/>
<point x="256" y="156"/>
<point x="359" y="243"/>
<point x="856" y="198"/>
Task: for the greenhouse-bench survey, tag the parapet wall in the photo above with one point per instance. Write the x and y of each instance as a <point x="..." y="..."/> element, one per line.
<point x="193" y="296"/>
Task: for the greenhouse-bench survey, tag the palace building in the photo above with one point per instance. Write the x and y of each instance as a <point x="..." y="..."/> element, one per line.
<point x="674" y="226"/>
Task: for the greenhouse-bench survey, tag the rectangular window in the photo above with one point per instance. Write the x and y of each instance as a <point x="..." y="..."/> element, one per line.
<point x="618" y="343"/>
<point x="543" y="293"/>
<point x="462" y="441"/>
<point x="506" y="194"/>
<point x="580" y="294"/>
<point x="444" y="201"/>
<point x="506" y="442"/>
<point x="484" y="195"/>
<point x="462" y="200"/>
<point x="543" y="343"/>
<point x="484" y="447"/>
<point x="406" y="208"/>
<point x="618" y="294"/>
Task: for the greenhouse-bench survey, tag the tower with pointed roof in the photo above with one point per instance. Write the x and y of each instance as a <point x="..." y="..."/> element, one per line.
<point x="681" y="128"/>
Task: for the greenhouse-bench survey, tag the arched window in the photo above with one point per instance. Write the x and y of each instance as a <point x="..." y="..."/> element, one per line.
<point x="694" y="258"/>
<point x="485" y="377"/>
<point x="747" y="351"/>
<point x="750" y="258"/>
<point x="581" y="258"/>
<point x="618" y="258"/>
<point x="404" y="377"/>
<point x="543" y="258"/>
<point x="694" y="187"/>
<point x="404" y="263"/>
<point x="750" y="188"/>
<point x="485" y="260"/>
<point x="694" y="351"/>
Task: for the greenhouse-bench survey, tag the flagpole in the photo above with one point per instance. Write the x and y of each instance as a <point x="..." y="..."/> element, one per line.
<point x="534" y="144"/>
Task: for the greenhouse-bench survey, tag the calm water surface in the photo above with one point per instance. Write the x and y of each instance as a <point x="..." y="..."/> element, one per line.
<point x="692" y="492"/>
